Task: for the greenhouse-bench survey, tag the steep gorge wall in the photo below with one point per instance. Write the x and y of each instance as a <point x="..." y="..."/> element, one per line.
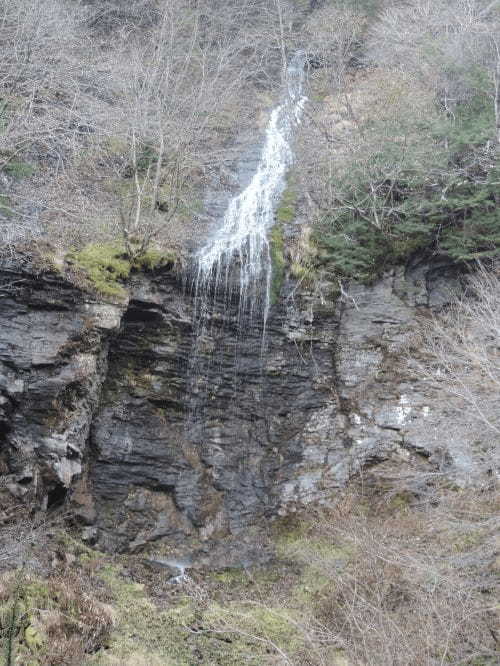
<point x="99" y="408"/>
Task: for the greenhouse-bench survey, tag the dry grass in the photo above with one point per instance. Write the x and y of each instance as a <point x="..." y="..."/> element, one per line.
<point x="382" y="582"/>
<point x="392" y="575"/>
<point x="52" y="622"/>
<point x="416" y="589"/>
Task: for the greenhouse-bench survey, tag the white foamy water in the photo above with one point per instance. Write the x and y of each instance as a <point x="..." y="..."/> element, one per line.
<point x="241" y="243"/>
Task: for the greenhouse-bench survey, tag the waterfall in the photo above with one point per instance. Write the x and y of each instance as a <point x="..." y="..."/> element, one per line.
<point x="241" y="242"/>
<point x="234" y="268"/>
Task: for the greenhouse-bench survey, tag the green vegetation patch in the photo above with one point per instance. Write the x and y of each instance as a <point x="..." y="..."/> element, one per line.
<point x="278" y="263"/>
<point x="40" y="620"/>
<point x="412" y="176"/>
<point x="147" y="632"/>
<point x="318" y="557"/>
<point x="153" y="258"/>
<point x="287" y="208"/>
<point x="107" y="265"/>
<point x="285" y="213"/>
<point x="220" y="634"/>
<point x="255" y="625"/>
<point x="19" y="170"/>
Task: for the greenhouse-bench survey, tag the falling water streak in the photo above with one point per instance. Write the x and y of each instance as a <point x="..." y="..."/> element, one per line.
<point x="243" y="234"/>
<point x="241" y="243"/>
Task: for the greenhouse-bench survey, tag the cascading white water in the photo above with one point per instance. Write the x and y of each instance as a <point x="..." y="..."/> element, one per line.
<point x="234" y="269"/>
<point x="242" y="240"/>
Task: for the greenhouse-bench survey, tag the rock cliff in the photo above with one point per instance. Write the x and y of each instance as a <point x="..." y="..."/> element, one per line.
<point x="104" y="407"/>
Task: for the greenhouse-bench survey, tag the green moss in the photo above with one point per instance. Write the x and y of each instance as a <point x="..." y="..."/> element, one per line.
<point x="220" y="634"/>
<point x="286" y="211"/>
<point x="277" y="250"/>
<point x="122" y="589"/>
<point x="299" y="271"/>
<point x="107" y="264"/>
<point x="244" y="621"/>
<point x="304" y="267"/>
<point x="19" y="170"/>
<point x="154" y="258"/>
<point x="34" y="638"/>
<point x="146" y="632"/>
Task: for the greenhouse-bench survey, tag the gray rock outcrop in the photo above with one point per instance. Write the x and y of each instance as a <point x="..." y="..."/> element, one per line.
<point x="106" y="407"/>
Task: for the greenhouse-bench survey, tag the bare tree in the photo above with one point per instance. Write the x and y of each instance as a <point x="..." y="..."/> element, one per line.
<point x="463" y="349"/>
<point x="183" y="81"/>
<point x="440" y="42"/>
<point x="118" y="136"/>
<point x="333" y="36"/>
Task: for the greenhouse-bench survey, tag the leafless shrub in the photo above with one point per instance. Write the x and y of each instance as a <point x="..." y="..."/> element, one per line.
<point x="402" y="587"/>
<point x="376" y="581"/>
<point x="463" y="350"/>
<point x="401" y="602"/>
<point x="333" y="37"/>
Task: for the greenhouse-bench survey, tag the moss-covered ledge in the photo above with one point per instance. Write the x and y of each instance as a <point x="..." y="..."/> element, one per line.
<point x="106" y="266"/>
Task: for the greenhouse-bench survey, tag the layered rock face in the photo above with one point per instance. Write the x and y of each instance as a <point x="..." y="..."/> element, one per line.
<point x="204" y="440"/>
<point x="53" y="358"/>
<point x="390" y="406"/>
<point x="149" y="438"/>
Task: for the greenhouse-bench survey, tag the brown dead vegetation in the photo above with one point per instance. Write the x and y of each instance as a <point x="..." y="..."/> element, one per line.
<point x="397" y="572"/>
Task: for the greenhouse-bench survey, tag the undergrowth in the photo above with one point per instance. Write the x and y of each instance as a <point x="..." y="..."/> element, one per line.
<point x="386" y="578"/>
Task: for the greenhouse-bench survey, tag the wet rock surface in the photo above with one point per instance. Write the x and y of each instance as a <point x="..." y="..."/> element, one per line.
<point x="107" y="407"/>
<point x="204" y="446"/>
